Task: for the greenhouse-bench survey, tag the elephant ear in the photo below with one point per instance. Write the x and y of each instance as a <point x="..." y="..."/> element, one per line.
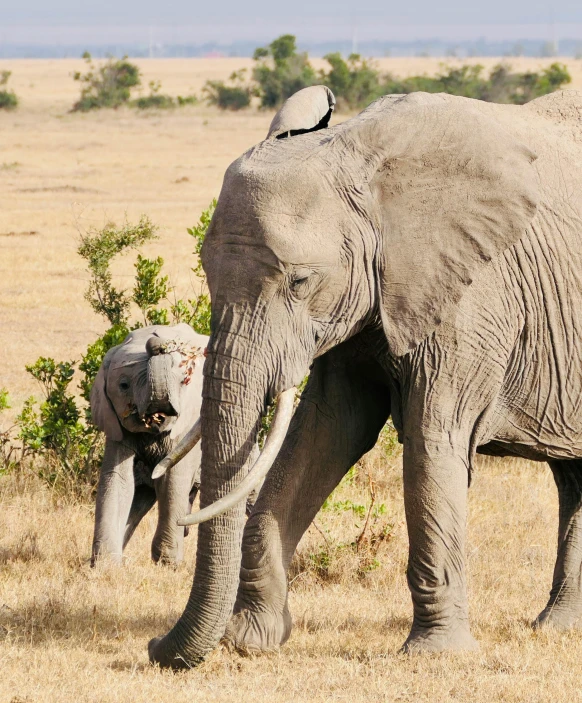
<point x="308" y="110"/>
<point x="451" y="189"/>
<point x="102" y="412"/>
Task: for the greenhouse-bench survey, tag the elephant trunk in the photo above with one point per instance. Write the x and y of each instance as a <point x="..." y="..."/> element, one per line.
<point x="235" y="389"/>
<point x="160" y="394"/>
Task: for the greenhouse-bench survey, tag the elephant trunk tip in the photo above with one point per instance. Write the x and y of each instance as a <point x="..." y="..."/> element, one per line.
<point x="154" y="346"/>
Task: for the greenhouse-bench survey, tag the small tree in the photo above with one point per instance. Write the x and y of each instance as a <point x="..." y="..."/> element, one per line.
<point x="98" y="248"/>
<point x="355" y="82"/>
<point x="8" y="99"/>
<point x="108" y="85"/>
<point x="281" y="71"/>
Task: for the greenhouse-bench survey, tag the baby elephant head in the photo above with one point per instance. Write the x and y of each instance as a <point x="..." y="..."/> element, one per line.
<point x="144" y="384"/>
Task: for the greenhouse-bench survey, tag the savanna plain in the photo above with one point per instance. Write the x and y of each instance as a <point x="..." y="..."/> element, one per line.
<point x="72" y="633"/>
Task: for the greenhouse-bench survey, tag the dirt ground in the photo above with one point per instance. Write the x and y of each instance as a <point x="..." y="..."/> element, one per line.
<point x="69" y="633"/>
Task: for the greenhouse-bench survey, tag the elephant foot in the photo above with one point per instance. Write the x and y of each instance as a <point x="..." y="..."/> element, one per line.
<point x="453" y="638"/>
<point x="250" y="632"/>
<point x="559" y="618"/>
<point x="167" y="561"/>
<point x="167" y="657"/>
<point x="166" y="557"/>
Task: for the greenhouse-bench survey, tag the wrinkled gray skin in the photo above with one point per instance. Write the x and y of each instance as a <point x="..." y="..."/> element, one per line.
<point x="136" y="381"/>
<point x="424" y="259"/>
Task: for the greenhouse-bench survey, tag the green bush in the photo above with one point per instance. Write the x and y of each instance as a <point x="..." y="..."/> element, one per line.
<point x="68" y="448"/>
<point x="281" y="71"/>
<point x="357" y="82"/>
<point x="184" y="100"/>
<point x="98" y="249"/>
<point x="8" y="99"/>
<point x="4" y="399"/>
<point x="57" y="436"/>
<point x="108" y="85"/>
<point x="235" y="96"/>
<point x="155" y="99"/>
<point x="354" y="82"/>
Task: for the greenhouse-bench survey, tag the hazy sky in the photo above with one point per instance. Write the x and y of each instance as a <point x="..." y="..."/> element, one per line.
<point x="229" y="19"/>
<point x="193" y="11"/>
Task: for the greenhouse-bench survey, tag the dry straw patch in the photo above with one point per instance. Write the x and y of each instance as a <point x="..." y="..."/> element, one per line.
<point x="70" y="633"/>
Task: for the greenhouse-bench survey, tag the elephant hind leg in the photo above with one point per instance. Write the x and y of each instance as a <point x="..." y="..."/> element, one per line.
<point x="144" y="500"/>
<point x="564" y="606"/>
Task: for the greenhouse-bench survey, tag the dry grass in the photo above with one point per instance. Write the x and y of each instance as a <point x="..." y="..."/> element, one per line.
<point x="70" y="633"/>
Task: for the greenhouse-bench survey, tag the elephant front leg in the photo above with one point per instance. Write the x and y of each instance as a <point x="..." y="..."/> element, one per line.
<point x="564" y="607"/>
<point x="115" y="493"/>
<point x="338" y="419"/>
<point x="173" y="491"/>
<point x="435" y="494"/>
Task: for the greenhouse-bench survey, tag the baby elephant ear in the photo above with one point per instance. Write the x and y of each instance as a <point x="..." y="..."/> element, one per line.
<point x="451" y="189"/>
<point x="102" y="412"/>
<point x="306" y="111"/>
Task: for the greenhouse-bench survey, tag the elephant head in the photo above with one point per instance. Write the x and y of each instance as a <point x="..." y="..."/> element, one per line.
<point x="142" y="385"/>
<point x="380" y="221"/>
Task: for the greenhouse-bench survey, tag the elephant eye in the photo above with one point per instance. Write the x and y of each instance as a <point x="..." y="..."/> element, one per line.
<point x="298" y="281"/>
<point x="124" y="385"/>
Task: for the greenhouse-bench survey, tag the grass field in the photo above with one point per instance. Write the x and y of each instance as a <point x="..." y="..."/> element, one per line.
<point x="70" y="633"/>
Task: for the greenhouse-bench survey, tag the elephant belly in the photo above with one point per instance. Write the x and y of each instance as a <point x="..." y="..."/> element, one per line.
<point x="539" y="411"/>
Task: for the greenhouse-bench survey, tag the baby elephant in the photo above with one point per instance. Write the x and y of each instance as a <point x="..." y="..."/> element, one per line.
<point x="146" y="396"/>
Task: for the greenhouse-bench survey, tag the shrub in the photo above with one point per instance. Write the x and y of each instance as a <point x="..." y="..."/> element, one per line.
<point x="340" y="559"/>
<point x="502" y="86"/>
<point x="68" y="448"/>
<point x="280" y="71"/>
<point x="4" y="399"/>
<point x="184" y="100"/>
<point x="155" y="99"/>
<point x="354" y="82"/>
<point x="98" y="249"/>
<point x="108" y="85"/>
<point x="8" y="99"/>
<point x="57" y="436"/>
<point x="229" y="97"/>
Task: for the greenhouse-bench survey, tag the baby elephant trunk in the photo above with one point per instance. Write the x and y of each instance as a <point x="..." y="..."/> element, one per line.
<point x="162" y="396"/>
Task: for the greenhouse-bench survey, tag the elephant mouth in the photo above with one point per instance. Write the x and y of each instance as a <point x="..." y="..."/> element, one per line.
<point x="154" y="420"/>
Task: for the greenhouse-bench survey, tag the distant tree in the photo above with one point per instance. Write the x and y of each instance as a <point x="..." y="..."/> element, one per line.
<point x="281" y="71"/>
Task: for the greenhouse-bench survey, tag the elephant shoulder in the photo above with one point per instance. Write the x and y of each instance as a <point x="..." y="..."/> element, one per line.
<point x="563" y="107"/>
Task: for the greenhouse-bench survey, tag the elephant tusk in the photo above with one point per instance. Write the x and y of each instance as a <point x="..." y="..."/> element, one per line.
<point x="188" y="442"/>
<point x="261" y="467"/>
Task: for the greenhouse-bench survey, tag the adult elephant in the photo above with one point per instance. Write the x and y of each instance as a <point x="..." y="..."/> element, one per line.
<point x="145" y="397"/>
<point x="424" y="259"/>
